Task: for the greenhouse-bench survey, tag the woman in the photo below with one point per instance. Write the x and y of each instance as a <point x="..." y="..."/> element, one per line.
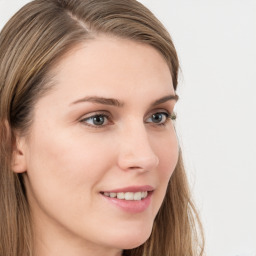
<point x="90" y="163"/>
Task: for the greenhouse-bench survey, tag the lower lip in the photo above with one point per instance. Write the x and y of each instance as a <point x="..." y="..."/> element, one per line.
<point x="130" y="206"/>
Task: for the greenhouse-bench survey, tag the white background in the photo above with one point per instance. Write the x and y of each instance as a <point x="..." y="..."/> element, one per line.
<point x="216" y="43"/>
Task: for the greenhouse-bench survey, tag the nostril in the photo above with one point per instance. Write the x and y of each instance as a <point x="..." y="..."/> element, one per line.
<point x="134" y="167"/>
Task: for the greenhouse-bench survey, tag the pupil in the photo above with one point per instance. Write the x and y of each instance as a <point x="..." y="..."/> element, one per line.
<point x="157" y="118"/>
<point x="98" y="120"/>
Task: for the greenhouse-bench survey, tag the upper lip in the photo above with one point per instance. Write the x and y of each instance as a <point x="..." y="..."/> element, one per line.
<point x="130" y="189"/>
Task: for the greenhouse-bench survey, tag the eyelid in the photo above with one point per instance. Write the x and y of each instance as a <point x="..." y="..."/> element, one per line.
<point x="158" y="110"/>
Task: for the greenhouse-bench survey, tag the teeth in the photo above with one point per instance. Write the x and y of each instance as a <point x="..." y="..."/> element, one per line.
<point x="145" y="194"/>
<point x="129" y="196"/>
<point x="120" y="195"/>
<point x="137" y="196"/>
<point x="112" y="195"/>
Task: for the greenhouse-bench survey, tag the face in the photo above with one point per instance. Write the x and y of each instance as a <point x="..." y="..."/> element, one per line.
<point x="101" y="150"/>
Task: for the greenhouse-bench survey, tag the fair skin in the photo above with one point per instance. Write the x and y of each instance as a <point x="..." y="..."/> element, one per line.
<point x="70" y="159"/>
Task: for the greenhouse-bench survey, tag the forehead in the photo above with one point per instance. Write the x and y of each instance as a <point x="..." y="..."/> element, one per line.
<point x="115" y="60"/>
<point x="112" y="68"/>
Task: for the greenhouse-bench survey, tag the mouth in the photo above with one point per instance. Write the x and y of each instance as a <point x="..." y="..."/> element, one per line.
<point x="128" y="196"/>
<point x="130" y="199"/>
<point x="133" y="199"/>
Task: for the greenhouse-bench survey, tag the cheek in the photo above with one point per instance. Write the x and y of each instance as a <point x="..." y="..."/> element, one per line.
<point x="62" y="177"/>
<point x="66" y="166"/>
<point x="168" y="153"/>
<point x="167" y="149"/>
<point x="169" y="160"/>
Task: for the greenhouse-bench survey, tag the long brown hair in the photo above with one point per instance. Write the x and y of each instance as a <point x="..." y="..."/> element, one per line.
<point x="31" y="42"/>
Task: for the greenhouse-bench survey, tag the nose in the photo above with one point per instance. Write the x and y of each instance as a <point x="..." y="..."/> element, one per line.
<point x="136" y="151"/>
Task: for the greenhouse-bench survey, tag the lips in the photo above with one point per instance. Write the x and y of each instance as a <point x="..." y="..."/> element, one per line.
<point x="131" y="189"/>
<point x="135" y="198"/>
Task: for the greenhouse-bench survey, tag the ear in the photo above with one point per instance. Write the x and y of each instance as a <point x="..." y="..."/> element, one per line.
<point x="19" y="163"/>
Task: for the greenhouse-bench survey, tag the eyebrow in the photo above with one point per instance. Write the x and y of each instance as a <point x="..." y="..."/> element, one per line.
<point x="117" y="103"/>
<point x="164" y="99"/>
<point x="100" y="100"/>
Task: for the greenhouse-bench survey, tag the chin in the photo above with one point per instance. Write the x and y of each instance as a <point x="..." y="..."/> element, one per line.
<point x="130" y="240"/>
<point x="133" y="243"/>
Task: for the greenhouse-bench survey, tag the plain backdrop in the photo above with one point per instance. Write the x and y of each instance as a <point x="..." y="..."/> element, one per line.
<point x="216" y="44"/>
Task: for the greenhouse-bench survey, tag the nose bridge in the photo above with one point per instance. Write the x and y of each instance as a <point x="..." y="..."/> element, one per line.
<point x="136" y="151"/>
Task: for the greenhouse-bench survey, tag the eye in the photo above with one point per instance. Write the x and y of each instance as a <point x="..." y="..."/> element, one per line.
<point x="173" y="116"/>
<point x="97" y="120"/>
<point x="159" y="118"/>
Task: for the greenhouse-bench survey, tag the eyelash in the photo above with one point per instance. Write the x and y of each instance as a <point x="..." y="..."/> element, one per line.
<point x="167" y="115"/>
<point x="107" y="117"/>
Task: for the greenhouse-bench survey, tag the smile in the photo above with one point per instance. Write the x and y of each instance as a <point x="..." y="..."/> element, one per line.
<point x="129" y="196"/>
<point x="134" y="199"/>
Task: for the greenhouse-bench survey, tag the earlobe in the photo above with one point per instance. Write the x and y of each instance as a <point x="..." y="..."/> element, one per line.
<point x="19" y="164"/>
